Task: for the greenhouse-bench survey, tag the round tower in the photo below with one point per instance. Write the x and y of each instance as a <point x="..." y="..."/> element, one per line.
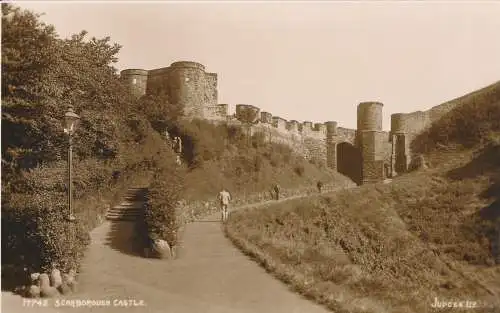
<point x="186" y="83"/>
<point x="397" y="123"/>
<point x="266" y="117"/>
<point x="369" y="139"/>
<point x="247" y="113"/>
<point x="400" y="158"/>
<point x="370" y="116"/>
<point x="136" y="79"/>
<point x="293" y="126"/>
<point x="331" y="128"/>
<point x="331" y="144"/>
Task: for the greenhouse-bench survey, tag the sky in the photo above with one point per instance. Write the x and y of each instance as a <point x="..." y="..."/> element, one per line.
<point x="308" y="61"/>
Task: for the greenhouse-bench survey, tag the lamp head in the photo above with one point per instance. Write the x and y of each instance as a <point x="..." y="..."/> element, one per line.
<point x="71" y="120"/>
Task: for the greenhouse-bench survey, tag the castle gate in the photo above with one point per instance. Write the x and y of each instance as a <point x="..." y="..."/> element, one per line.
<point x="349" y="161"/>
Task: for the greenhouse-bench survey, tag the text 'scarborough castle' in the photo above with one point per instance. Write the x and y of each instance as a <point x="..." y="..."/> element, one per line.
<point x="367" y="154"/>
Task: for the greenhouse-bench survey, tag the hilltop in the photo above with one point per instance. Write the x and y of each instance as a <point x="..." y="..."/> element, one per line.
<point x="433" y="233"/>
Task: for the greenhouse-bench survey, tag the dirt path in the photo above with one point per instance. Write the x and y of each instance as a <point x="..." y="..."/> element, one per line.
<point x="209" y="275"/>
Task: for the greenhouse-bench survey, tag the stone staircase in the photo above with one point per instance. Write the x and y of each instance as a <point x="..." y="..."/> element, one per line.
<point x="131" y="208"/>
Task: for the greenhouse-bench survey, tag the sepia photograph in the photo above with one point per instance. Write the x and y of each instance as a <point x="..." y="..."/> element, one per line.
<point x="250" y="156"/>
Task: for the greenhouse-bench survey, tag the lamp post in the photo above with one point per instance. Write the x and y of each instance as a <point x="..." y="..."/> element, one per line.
<point x="71" y="120"/>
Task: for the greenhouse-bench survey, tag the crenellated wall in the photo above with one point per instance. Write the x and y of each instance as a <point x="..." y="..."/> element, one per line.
<point x="367" y="154"/>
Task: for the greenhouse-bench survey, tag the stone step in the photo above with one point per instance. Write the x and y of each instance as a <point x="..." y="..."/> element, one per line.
<point x="132" y="203"/>
<point x="134" y="198"/>
<point x="122" y="218"/>
<point x="125" y="211"/>
<point x="115" y="216"/>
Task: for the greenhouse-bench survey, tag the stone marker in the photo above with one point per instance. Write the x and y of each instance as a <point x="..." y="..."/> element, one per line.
<point x="55" y="278"/>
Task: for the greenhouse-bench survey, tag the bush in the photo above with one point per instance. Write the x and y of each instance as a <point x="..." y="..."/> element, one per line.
<point x="299" y="169"/>
<point x="161" y="218"/>
<point x="36" y="234"/>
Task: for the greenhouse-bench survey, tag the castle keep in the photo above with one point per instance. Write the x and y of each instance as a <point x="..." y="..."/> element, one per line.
<point x="366" y="155"/>
<point x="186" y="83"/>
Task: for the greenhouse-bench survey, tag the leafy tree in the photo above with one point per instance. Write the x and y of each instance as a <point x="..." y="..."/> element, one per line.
<point x="159" y="111"/>
<point x="249" y="117"/>
<point x="42" y="75"/>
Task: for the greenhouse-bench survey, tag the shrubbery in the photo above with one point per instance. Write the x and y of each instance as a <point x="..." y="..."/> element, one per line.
<point x="161" y="215"/>
<point x="36" y="234"/>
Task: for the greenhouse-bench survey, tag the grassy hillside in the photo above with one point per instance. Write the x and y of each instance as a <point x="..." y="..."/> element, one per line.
<point x="433" y="233"/>
<point x="218" y="155"/>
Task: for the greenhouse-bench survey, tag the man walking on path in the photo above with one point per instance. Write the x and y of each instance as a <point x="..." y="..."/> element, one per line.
<point x="277" y="191"/>
<point x="224" y="197"/>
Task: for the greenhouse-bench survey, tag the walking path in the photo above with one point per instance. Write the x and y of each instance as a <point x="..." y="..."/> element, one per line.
<point x="209" y="275"/>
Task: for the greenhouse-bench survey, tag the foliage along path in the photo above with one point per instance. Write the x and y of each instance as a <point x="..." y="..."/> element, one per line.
<point x="209" y="275"/>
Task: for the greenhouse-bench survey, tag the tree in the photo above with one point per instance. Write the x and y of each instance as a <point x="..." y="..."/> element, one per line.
<point x="159" y="111"/>
<point x="249" y="117"/>
<point x="42" y="75"/>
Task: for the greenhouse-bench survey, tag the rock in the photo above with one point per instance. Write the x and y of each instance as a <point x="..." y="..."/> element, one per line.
<point x="64" y="289"/>
<point x="33" y="291"/>
<point x="162" y="248"/>
<point x="418" y="163"/>
<point x="55" y="278"/>
<point x="35" y="278"/>
<point x="44" y="280"/>
<point x="48" y="292"/>
<point x="67" y="278"/>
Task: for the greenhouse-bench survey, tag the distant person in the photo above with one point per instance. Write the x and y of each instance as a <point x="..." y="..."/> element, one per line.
<point x="276" y="189"/>
<point x="319" y="185"/>
<point x="177" y="144"/>
<point x="224" y="198"/>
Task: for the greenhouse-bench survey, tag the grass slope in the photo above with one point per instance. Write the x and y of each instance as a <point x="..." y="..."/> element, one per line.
<point x="396" y="247"/>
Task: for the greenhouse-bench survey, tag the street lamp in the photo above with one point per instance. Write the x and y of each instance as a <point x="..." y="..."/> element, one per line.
<point x="71" y="120"/>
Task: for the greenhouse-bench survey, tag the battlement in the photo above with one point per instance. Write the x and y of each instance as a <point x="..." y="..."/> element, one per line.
<point x="188" y="64"/>
<point x="188" y="84"/>
<point x="134" y="71"/>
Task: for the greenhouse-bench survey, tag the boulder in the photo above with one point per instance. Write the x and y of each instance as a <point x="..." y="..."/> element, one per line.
<point x="35" y="279"/>
<point x="162" y="248"/>
<point x="418" y="163"/>
<point x="55" y="278"/>
<point x="44" y="280"/>
<point x="48" y="292"/>
<point x="69" y="280"/>
<point x="64" y="289"/>
<point x="33" y="291"/>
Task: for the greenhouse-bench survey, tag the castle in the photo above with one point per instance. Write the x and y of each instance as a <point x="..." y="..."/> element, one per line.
<point x="366" y="154"/>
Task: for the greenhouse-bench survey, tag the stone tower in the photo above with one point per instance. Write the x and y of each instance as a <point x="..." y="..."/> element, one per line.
<point x="331" y="144"/>
<point x="400" y="144"/>
<point x="137" y="80"/>
<point x="185" y="82"/>
<point x="370" y="141"/>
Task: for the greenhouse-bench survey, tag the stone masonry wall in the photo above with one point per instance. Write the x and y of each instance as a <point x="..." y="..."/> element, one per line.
<point x="187" y="83"/>
<point x="406" y="126"/>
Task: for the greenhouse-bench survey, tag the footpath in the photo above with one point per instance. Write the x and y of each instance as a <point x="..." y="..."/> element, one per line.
<point x="208" y="275"/>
